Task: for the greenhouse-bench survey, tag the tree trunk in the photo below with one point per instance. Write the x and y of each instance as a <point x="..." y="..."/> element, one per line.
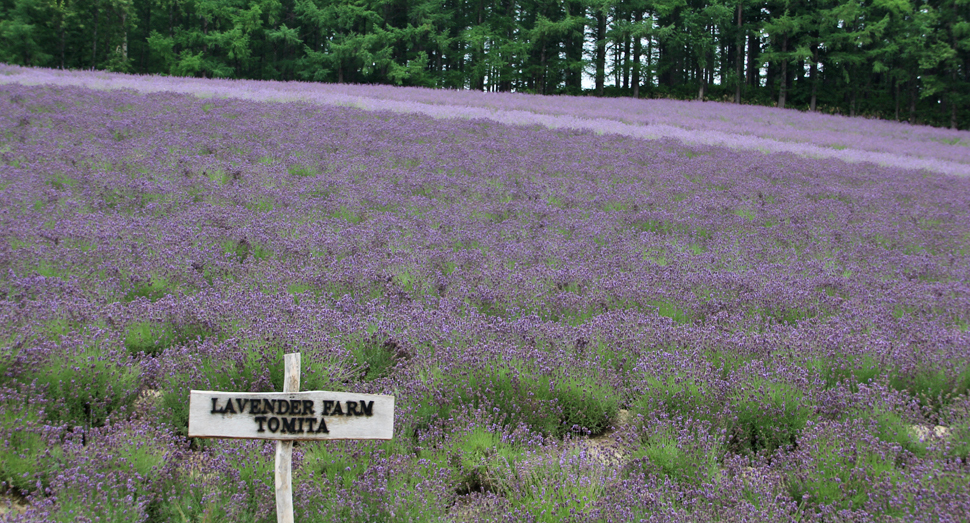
<point x="912" y="101"/>
<point x="701" y="75"/>
<point x="94" y="40"/>
<point x="144" y="49"/>
<point x="124" y="41"/>
<point x="480" y="52"/>
<point x="953" y="105"/>
<point x="62" y="43"/>
<point x="953" y="115"/>
<point x="617" y="66"/>
<point x="814" y="76"/>
<point x="739" y="59"/>
<point x="626" y="62"/>
<point x="600" y="51"/>
<point x="542" y="69"/>
<point x="637" y="50"/>
<point x="754" y="50"/>
<point x="650" y="61"/>
<point x="574" y="47"/>
<point x="896" y="85"/>
<point x="783" y="76"/>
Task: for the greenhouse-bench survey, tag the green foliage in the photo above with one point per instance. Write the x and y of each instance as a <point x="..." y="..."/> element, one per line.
<point x="481" y="458"/>
<point x="934" y="387"/>
<point x="553" y="487"/>
<point x="218" y="176"/>
<point x="343" y="213"/>
<point x="767" y="415"/>
<point x="668" y="309"/>
<point x="555" y="402"/>
<point x="878" y="58"/>
<point x="692" y="457"/>
<point x="333" y="463"/>
<point x="23" y="33"/>
<point x="348" y="467"/>
<point x="375" y="355"/>
<point x="959" y="421"/>
<point x="182" y="493"/>
<point x="152" y="338"/>
<point x="154" y="289"/>
<point x="47" y="269"/>
<point x="891" y="428"/>
<point x="303" y="171"/>
<point x="76" y="504"/>
<point x="851" y="371"/>
<point x="677" y="394"/>
<point x="92" y="383"/>
<point x="840" y="470"/>
<point x="25" y="454"/>
<point x="61" y="181"/>
<point x="244" y="250"/>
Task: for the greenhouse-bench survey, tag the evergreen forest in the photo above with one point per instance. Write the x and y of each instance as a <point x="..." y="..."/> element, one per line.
<point x="906" y="60"/>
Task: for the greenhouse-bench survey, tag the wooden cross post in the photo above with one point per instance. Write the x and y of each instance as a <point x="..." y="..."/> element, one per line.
<point x="284" y="449"/>
<point x="289" y="416"/>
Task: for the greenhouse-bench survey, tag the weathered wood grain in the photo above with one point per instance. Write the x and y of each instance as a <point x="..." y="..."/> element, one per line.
<point x="284" y="449"/>
<point x="203" y="423"/>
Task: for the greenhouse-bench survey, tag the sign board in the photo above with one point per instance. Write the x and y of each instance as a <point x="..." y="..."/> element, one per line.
<point x="287" y="416"/>
<point x="290" y="415"/>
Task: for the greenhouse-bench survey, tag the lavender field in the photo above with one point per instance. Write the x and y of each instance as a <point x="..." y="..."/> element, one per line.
<point x="577" y="325"/>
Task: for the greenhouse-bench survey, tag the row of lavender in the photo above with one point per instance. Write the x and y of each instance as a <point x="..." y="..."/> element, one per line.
<point x="731" y="125"/>
<point x="769" y="334"/>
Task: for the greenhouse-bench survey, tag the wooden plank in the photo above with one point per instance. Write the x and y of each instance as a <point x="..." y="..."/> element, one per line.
<point x="284" y="449"/>
<point x="345" y="415"/>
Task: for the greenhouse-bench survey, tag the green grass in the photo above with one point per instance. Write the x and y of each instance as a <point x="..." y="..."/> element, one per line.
<point x="218" y="176"/>
<point x="25" y="456"/>
<point x="747" y="214"/>
<point x="667" y="309"/>
<point x="677" y="394"/>
<point x="153" y="289"/>
<point x="61" y="182"/>
<point x="551" y="402"/>
<point x="262" y="205"/>
<point x="375" y="355"/>
<point x="767" y="415"/>
<point x="303" y="171"/>
<point x="841" y="472"/>
<point x="348" y="215"/>
<point x="853" y="371"/>
<point x="934" y="387"/>
<point x="554" y="488"/>
<point x="692" y="459"/>
<point x="151" y="338"/>
<point x="243" y="250"/>
<point x="480" y="458"/>
<point x="92" y="383"/>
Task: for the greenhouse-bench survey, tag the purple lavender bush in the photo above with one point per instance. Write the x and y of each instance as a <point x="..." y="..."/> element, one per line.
<point x="753" y="128"/>
<point x="576" y="326"/>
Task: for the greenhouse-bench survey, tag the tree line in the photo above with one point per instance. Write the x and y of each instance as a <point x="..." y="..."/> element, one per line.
<point x="898" y="59"/>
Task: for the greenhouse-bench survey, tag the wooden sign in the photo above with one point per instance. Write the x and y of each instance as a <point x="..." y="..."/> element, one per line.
<point x="288" y="416"/>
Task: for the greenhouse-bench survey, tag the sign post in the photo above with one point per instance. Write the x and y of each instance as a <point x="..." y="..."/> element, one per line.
<point x="289" y="416"/>
<point x="284" y="449"/>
